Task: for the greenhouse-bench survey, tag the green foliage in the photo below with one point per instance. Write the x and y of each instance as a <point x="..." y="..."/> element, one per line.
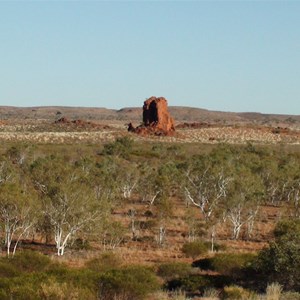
<point x="174" y="270"/>
<point x="7" y="270"/>
<point x="231" y="264"/>
<point x="106" y="261"/>
<point x="113" y="234"/>
<point x="280" y="261"/>
<point x="194" y="249"/>
<point x="120" y="147"/>
<point x="29" y="261"/>
<point x="190" y="283"/>
<point x="131" y="283"/>
<point x="80" y="244"/>
<point x="31" y="275"/>
<point x="52" y="289"/>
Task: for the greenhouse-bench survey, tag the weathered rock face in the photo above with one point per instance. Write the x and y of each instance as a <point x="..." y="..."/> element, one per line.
<point x="155" y="114"/>
<point x="156" y="118"/>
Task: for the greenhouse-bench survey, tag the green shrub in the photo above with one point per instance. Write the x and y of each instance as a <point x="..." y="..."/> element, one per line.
<point x="219" y="247"/>
<point x="203" y="264"/>
<point x="131" y="283"/>
<point x="191" y="283"/>
<point x="3" y="294"/>
<point x="231" y="264"/>
<point x="80" y="244"/>
<point x="81" y="278"/>
<point x="7" y="269"/>
<point x="23" y="292"/>
<point x="280" y="261"/>
<point x="53" y="289"/>
<point x="174" y="270"/>
<point x="120" y="147"/>
<point x="194" y="249"/>
<point x="24" y="286"/>
<point x="105" y="262"/>
<point x="30" y="261"/>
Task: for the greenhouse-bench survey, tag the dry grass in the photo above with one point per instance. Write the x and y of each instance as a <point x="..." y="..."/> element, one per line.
<point x="45" y="132"/>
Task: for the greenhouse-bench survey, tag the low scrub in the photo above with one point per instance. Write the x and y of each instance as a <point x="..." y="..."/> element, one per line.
<point x="191" y="283"/>
<point x="195" y="249"/>
<point x="229" y="264"/>
<point x="174" y="270"/>
<point x="131" y="283"/>
<point x="29" y="261"/>
<point x="106" y="261"/>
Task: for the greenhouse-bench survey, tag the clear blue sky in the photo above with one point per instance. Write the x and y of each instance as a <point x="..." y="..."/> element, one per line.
<point x="229" y="56"/>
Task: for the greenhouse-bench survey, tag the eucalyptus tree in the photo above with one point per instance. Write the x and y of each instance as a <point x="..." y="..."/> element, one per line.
<point x="127" y="178"/>
<point x="149" y="186"/>
<point x="206" y="187"/>
<point x="18" y="210"/>
<point x="244" y="199"/>
<point x="69" y="202"/>
<point x="18" y="206"/>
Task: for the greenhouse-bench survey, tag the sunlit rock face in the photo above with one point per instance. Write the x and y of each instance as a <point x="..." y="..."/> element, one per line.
<point x="155" y="114"/>
<point x="156" y="118"/>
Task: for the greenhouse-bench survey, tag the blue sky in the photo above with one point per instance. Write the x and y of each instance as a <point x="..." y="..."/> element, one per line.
<point x="229" y="56"/>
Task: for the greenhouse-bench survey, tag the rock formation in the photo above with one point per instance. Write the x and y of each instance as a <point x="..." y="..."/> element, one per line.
<point x="156" y="118"/>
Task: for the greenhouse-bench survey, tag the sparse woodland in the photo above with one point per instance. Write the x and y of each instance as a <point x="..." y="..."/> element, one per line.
<point x="137" y="220"/>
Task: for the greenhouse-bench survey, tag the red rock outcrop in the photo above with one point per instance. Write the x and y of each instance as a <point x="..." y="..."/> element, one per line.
<point x="155" y="114"/>
<point x="156" y="118"/>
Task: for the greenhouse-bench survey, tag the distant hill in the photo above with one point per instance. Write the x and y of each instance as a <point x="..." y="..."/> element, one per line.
<point x="134" y="114"/>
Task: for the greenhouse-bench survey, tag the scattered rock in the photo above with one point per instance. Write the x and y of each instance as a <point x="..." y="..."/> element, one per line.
<point x="280" y="130"/>
<point x="62" y="120"/>
<point x="80" y="124"/>
<point x="194" y="125"/>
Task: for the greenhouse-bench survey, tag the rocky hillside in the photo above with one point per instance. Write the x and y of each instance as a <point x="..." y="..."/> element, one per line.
<point x="134" y="114"/>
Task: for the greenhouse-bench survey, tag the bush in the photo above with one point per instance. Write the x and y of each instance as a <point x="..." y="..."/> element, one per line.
<point x="203" y="264"/>
<point x="191" y="283"/>
<point x="194" y="249"/>
<point x="231" y="264"/>
<point x="173" y="270"/>
<point x="80" y="244"/>
<point x="24" y="286"/>
<point x="219" y="247"/>
<point x="120" y="147"/>
<point x="280" y="261"/>
<point x="131" y="283"/>
<point x="30" y="261"/>
<point x="7" y="269"/>
<point x="106" y="261"/>
<point x="53" y="289"/>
